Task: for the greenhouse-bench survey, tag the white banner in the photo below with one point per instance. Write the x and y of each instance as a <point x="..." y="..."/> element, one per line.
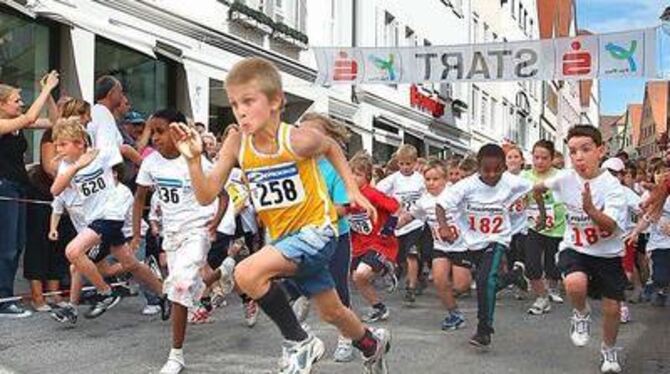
<point x="629" y="54"/>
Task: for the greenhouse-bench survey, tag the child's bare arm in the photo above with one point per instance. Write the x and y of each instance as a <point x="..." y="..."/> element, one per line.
<point x="53" y="226"/>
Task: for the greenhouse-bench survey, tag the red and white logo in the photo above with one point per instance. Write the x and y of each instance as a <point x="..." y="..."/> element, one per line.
<point x="577" y="62"/>
<point x="345" y="68"/>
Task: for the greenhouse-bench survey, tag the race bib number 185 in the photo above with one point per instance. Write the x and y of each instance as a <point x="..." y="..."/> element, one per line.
<point x="275" y="187"/>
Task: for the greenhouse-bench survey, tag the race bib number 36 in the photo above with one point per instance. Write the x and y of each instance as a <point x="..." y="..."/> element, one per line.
<point x="276" y="187"/>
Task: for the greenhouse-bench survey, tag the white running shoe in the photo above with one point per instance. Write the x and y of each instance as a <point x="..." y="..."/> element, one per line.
<point x="344" y="351"/>
<point x="609" y="360"/>
<point x="227" y="281"/>
<point x="151" y="310"/>
<point x="555" y="296"/>
<point x="301" y="308"/>
<point x="251" y="312"/>
<point x="580" y="329"/>
<point x="300" y="356"/>
<point x="376" y="364"/>
<point x="174" y="365"/>
<point x="624" y="313"/>
<point x="540" y="306"/>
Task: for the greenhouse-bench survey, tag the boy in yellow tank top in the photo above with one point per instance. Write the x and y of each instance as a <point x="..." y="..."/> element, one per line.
<point x="289" y="194"/>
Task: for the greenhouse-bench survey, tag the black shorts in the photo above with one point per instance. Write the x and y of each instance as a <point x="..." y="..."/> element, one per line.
<point x="426" y="243"/>
<point x="109" y="231"/>
<point x="606" y="276"/>
<point x="219" y="250"/>
<point x="408" y="244"/>
<point x="374" y="259"/>
<point x="99" y="252"/>
<point x="460" y="259"/>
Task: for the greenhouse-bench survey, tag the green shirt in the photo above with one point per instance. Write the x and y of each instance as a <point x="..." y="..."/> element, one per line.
<point x="555" y="210"/>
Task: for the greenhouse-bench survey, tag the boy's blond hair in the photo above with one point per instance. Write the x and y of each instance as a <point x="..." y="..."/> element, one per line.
<point x="362" y="162"/>
<point x="468" y="165"/>
<point x="259" y="71"/>
<point x="74" y="107"/>
<point x="407" y="151"/>
<point x="69" y="129"/>
<point x="334" y="129"/>
<point x="436" y="163"/>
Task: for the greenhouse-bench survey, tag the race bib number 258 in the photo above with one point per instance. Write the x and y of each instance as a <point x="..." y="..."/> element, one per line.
<point x="275" y="187"/>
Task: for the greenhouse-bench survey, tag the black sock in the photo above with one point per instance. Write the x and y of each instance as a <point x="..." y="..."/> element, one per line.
<point x="245" y="298"/>
<point x="379" y="306"/>
<point x="367" y="344"/>
<point x="276" y="306"/>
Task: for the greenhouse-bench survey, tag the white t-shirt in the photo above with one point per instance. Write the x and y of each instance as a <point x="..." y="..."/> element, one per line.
<point x="424" y="210"/>
<point x="518" y="216"/>
<point x="102" y="128"/>
<point x="124" y="197"/>
<point x="485" y="217"/>
<point x="581" y="233"/>
<point x="407" y="190"/>
<point x="658" y="239"/>
<point x="69" y="201"/>
<point x="94" y="185"/>
<point x="239" y="202"/>
<point x="179" y="207"/>
<point x="633" y="209"/>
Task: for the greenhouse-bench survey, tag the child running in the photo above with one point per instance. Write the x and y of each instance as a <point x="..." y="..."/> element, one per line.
<point x="88" y="173"/>
<point x="289" y="194"/>
<point x="185" y="227"/>
<point x="591" y="250"/>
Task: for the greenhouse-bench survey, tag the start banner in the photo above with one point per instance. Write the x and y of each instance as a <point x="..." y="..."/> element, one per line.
<point x="629" y="54"/>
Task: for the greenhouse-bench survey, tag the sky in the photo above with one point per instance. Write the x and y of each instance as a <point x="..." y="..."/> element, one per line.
<point x="600" y="16"/>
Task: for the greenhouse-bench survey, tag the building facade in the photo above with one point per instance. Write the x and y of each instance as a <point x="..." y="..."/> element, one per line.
<point x="171" y="53"/>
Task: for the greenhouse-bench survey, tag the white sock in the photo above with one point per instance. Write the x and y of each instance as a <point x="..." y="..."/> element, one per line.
<point x="177" y="354"/>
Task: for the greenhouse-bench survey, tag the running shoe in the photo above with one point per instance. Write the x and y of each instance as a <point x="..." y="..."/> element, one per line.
<point x="377" y="314"/>
<point x="390" y="277"/>
<point x="251" y="312"/>
<point x="199" y="316"/>
<point x="227" y="280"/>
<point x="410" y="296"/>
<point x="609" y="360"/>
<point x="540" y="306"/>
<point x="580" y="329"/>
<point x="660" y="299"/>
<point x="555" y="296"/>
<point x="301" y="356"/>
<point x="66" y="314"/>
<point x="165" y="306"/>
<point x="624" y="313"/>
<point x="520" y="279"/>
<point x="376" y="364"/>
<point x="480" y="339"/>
<point x="344" y="351"/>
<point x="453" y="321"/>
<point x="301" y="308"/>
<point x="174" y="365"/>
<point x="151" y="310"/>
<point x="103" y="303"/>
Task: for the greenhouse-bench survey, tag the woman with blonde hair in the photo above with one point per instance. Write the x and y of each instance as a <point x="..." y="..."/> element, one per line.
<point x="14" y="181"/>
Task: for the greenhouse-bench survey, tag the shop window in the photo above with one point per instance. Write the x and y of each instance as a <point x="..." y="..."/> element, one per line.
<point x="28" y="50"/>
<point x="382" y="152"/>
<point x="149" y="83"/>
<point x="354" y="145"/>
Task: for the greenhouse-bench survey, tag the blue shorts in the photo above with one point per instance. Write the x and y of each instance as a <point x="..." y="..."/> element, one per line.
<point x="311" y="249"/>
<point x="109" y="231"/>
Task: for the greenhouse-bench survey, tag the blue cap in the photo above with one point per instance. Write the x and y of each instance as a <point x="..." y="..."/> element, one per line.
<point x="134" y="118"/>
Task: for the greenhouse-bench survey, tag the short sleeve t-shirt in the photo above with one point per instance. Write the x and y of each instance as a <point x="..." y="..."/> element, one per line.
<point x="179" y="207"/>
<point x="424" y="209"/>
<point x="633" y="201"/>
<point x="95" y="186"/>
<point x="102" y="128"/>
<point x="238" y="203"/>
<point x="69" y="201"/>
<point x="485" y="216"/>
<point x="658" y="239"/>
<point x="582" y="234"/>
<point x="407" y="190"/>
<point x="336" y="190"/>
<point x="555" y="210"/>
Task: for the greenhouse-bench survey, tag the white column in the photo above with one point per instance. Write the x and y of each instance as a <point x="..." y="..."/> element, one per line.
<point x="78" y="63"/>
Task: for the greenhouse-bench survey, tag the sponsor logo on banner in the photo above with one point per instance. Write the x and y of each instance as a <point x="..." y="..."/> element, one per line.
<point x="577" y="61"/>
<point x="383" y="67"/>
<point x="345" y="68"/>
<point x="622" y="54"/>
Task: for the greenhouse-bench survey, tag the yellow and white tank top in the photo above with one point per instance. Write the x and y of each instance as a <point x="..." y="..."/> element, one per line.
<point x="288" y="192"/>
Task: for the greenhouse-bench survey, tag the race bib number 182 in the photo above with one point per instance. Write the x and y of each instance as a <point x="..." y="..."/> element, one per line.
<point x="275" y="187"/>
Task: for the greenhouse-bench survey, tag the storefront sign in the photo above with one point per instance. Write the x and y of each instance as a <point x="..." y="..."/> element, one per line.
<point x="629" y="54"/>
<point x="425" y="103"/>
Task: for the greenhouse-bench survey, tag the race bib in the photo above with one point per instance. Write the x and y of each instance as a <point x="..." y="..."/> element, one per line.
<point x="276" y="187"/>
<point x="486" y="219"/>
<point x="584" y="232"/>
<point x="534" y="213"/>
<point x="408" y="199"/>
<point x="170" y="191"/>
<point x="91" y="184"/>
<point x="360" y="223"/>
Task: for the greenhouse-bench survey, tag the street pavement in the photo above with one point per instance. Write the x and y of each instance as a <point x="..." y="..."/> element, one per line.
<point x="124" y="341"/>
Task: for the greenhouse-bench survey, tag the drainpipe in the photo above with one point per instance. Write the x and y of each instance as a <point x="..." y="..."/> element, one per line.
<point x="354" y="41"/>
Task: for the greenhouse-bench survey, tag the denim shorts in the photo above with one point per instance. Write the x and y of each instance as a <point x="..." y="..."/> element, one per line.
<point x="311" y="249"/>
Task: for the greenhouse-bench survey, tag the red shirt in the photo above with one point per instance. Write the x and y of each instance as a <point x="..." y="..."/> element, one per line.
<point x="364" y="235"/>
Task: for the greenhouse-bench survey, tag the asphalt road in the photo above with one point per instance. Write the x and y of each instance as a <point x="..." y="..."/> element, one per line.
<point x="123" y="341"/>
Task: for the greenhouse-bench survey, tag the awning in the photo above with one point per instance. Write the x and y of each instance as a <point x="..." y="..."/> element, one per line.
<point x="88" y="17"/>
<point x="19" y="7"/>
